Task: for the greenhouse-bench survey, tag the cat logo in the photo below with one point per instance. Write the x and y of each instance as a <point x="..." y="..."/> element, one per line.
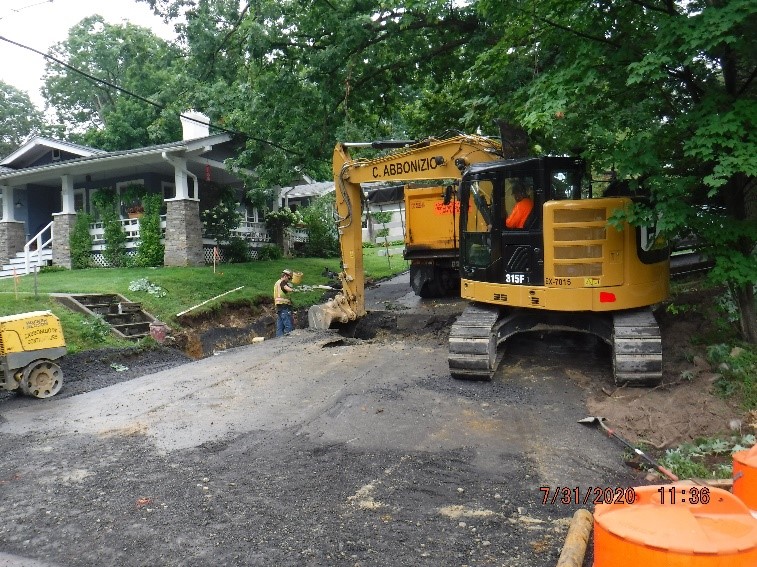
<point x="500" y="297"/>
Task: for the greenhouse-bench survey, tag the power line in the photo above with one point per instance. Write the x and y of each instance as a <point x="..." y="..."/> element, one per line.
<point x="141" y="98"/>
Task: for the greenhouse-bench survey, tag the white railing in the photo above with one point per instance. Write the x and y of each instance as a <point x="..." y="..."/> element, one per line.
<point x="39" y="244"/>
<point x="131" y="228"/>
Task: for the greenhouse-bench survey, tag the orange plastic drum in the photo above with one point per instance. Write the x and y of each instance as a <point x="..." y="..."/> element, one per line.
<point x="675" y="525"/>
<point x="745" y="477"/>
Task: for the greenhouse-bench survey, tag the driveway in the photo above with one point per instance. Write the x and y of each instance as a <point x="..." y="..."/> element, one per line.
<point x="313" y="450"/>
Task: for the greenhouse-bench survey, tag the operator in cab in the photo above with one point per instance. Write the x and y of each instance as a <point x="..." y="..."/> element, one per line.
<point x="522" y="208"/>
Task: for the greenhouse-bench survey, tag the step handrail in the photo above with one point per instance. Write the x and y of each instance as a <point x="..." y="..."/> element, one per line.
<point x="37" y="239"/>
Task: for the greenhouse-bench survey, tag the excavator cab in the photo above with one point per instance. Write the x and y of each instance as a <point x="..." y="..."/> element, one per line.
<point x="502" y="226"/>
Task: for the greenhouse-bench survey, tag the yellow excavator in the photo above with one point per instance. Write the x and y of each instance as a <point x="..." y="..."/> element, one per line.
<point x="563" y="267"/>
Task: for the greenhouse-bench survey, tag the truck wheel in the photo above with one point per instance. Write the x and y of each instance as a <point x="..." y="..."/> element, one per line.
<point x="42" y="379"/>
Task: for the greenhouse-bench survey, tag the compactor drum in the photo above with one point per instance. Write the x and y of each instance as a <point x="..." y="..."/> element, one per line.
<point x="30" y="343"/>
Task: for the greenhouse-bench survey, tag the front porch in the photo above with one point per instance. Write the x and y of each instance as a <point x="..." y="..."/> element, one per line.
<point x="38" y="251"/>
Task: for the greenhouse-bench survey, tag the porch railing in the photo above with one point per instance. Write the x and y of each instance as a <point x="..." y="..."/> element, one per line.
<point x="33" y="248"/>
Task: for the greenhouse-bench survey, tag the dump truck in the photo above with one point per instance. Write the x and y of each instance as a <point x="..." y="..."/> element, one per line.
<point x="567" y="267"/>
<point x="30" y="343"/>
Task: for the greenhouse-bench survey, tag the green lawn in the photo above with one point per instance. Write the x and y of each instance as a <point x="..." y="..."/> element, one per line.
<point x="183" y="287"/>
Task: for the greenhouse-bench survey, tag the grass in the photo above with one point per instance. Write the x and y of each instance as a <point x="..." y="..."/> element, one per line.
<point x="183" y="288"/>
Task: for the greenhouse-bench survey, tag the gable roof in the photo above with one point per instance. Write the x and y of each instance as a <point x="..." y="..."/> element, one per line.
<point x="37" y="146"/>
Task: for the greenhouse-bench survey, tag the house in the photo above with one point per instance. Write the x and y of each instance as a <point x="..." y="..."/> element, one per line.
<point x="45" y="182"/>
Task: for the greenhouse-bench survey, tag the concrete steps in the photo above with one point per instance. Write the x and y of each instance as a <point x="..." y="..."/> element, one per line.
<point x="18" y="263"/>
<point x="127" y="319"/>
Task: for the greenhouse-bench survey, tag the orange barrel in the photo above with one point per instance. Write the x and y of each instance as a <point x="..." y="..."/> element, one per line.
<point x="675" y="525"/>
<point x="745" y="477"/>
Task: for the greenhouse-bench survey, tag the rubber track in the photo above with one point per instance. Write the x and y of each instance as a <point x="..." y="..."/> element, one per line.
<point x="473" y="343"/>
<point x="637" y="348"/>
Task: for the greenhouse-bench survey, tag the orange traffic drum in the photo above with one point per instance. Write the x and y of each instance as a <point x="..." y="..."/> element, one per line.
<point x="675" y="525"/>
<point x="745" y="477"/>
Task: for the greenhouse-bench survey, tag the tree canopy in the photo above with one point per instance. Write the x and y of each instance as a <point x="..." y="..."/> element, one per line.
<point x="19" y="118"/>
<point x="125" y="56"/>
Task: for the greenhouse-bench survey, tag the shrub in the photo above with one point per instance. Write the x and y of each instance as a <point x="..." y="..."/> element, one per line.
<point x="221" y="220"/>
<point x="105" y="201"/>
<point x="81" y="242"/>
<point x="236" y="251"/>
<point x="150" y="251"/>
<point x="323" y="240"/>
<point x="270" y="252"/>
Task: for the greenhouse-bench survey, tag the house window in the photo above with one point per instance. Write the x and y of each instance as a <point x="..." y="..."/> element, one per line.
<point x="80" y="202"/>
<point x="55" y="154"/>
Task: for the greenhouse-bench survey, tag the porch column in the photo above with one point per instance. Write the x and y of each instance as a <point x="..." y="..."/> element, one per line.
<point x="67" y="191"/>
<point x="63" y="226"/>
<point x="12" y="234"/>
<point x="183" y="243"/>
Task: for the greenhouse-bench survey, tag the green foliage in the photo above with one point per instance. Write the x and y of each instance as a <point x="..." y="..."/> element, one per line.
<point x="219" y="221"/>
<point x="132" y="198"/>
<point x="276" y="222"/>
<point x="95" y="329"/>
<point x="18" y="118"/>
<point x="236" y="251"/>
<point x="105" y="202"/>
<point x="130" y="57"/>
<point x="81" y="242"/>
<point x="705" y="458"/>
<point x="150" y="251"/>
<point x="323" y="240"/>
<point x="381" y="217"/>
<point x="270" y="252"/>
<point x="737" y="366"/>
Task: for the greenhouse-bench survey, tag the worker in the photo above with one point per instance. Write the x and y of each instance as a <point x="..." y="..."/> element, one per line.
<point x="284" y="321"/>
<point x="523" y="206"/>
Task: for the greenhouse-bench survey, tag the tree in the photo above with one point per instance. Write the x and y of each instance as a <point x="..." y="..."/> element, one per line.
<point x="660" y="92"/>
<point x="125" y="56"/>
<point x="296" y="76"/>
<point x="19" y="118"/>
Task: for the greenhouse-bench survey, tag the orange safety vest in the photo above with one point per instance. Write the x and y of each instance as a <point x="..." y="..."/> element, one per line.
<point x="520" y="213"/>
<point x="278" y="294"/>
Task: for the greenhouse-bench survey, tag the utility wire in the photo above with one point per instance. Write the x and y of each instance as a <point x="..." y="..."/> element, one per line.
<point x="143" y="99"/>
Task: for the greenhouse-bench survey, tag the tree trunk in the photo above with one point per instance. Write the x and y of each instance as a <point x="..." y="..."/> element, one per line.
<point x="744" y="297"/>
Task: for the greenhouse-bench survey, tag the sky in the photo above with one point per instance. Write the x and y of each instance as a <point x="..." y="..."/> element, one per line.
<point x="42" y="23"/>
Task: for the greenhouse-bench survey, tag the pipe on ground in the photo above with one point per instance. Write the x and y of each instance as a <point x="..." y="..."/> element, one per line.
<point x="579" y="532"/>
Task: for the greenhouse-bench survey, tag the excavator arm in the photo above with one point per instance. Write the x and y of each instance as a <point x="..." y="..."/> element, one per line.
<point x="428" y="160"/>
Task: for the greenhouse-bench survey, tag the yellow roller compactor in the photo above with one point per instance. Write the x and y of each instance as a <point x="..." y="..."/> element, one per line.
<point x="566" y="268"/>
<point x="29" y="345"/>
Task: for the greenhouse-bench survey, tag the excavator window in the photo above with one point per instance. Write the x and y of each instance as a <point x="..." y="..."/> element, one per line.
<point x="566" y="185"/>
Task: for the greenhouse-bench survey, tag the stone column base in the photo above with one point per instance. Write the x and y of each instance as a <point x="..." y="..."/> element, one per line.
<point x="183" y="233"/>
<point x="12" y="240"/>
<point x="63" y="226"/>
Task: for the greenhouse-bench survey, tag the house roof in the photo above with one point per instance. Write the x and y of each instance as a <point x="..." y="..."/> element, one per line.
<point x="315" y="189"/>
<point x="35" y="147"/>
<point x="127" y="162"/>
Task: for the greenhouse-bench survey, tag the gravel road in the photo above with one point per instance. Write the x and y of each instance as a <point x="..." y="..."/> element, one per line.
<point x="312" y="450"/>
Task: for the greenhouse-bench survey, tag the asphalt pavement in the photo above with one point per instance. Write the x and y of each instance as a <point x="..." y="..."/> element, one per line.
<point x="313" y="450"/>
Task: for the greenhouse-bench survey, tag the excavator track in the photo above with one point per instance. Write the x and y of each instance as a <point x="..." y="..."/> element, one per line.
<point x="633" y="335"/>
<point x="473" y="343"/>
<point x="637" y="348"/>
